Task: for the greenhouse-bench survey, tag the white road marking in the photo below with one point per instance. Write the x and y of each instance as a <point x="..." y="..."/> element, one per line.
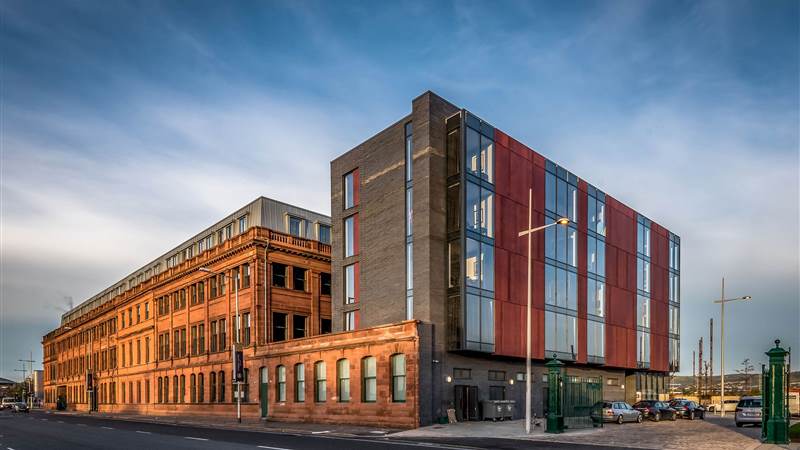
<point x="107" y="428"/>
<point x="60" y="421"/>
<point x="81" y="424"/>
<point x="43" y="419"/>
<point x="195" y="438"/>
<point x="272" y="448"/>
<point x="9" y="448"/>
<point x="143" y="432"/>
<point x="320" y="432"/>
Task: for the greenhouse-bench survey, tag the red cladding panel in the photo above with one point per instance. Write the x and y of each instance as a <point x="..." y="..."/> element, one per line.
<point x="620" y="284"/>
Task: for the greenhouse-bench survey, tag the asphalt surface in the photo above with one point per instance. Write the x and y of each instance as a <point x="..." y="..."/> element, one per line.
<point x="39" y="430"/>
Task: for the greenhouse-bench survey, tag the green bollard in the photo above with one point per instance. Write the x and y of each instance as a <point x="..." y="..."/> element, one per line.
<point x="555" y="419"/>
<point x="776" y="426"/>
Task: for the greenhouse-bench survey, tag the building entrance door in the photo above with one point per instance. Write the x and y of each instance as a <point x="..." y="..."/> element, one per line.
<point x="93" y="400"/>
<point x="61" y="398"/>
<point x="263" y="390"/>
<point x="466" y="403"/>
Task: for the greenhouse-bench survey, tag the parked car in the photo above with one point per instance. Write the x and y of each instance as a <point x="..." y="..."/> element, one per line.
<point x="656" y="410"/>
<point x="7" y="402"/>
<point x="688" y="409"/>
<point x="619" y="412"/>
<point x="730" y="406"/>
<point x="748" y="410"/>
<point x="20" y="407"/>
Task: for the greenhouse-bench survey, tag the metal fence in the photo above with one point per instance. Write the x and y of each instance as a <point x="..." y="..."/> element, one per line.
<point x="579" y="396"/>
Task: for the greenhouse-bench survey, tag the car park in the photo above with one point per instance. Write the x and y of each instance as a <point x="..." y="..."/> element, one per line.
<point x="656" y="410"/>
<point x="20" y="407"/>
<point x="688" y="409"/>
<point x="619" y="412"/>
<point x="748" y="410"/>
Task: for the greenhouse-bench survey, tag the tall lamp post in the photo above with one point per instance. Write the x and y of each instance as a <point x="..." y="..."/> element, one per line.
<point x="529" y="231"/>
<point x="236" y="337"/>
<point x="722" y="300"/>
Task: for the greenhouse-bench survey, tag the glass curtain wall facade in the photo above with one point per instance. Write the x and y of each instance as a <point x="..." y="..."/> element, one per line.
<point x="561" y="263"/>
<point x="674" y="303"/>
<point x="470" y="182"/>
<point x="596" y="276"/>
<point x="409" y="223"/>
<point x="643" y="292"/>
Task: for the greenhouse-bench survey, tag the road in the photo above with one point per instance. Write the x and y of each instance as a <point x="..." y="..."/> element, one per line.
<point x="42" y="431"/>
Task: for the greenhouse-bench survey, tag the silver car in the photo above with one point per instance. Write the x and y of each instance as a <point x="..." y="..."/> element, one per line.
<point x="748" y="411"/>
<point x="619" y="412"/>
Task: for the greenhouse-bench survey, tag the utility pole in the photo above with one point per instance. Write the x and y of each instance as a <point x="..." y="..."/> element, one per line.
<point x="30" y="390"/>
<point x="24" y="380"/>
<point x="700" y="368"/>
<point x="711" y="352"/>
<point x="694" y="370"/>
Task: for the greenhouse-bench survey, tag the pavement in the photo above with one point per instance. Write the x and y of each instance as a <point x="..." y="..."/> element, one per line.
<point x="713" y="432"/>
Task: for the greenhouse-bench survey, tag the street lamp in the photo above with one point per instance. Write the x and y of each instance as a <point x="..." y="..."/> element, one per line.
<point x="529" y="231"/>
<point x="237" y="338"/>
<point x="722" y="300"/>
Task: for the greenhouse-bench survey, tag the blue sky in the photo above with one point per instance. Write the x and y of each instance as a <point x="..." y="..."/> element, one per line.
<point x="128" y="126"/>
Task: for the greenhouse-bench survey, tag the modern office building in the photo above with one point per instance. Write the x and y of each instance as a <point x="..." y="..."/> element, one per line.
<point x="159" y="340"/>
<point x="426" y="219"/>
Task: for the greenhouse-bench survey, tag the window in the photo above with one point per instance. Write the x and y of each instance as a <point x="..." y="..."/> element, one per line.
<point x="560" y="334"/>
<point x="299" y="278"/>
<point x="200" y="389"/>
<point x="349" y="190"/>
<point x="462" y="374"/>
<point x="480" y="210"/>
<point x="222" y="333"/>
<point x="221" y="389"/>
<point x="561" y="287"/>
<point x="214" y="336"/>
<point x="279" y="275"/>
<point x="295" y="226"/>
<point x="350" y="235"/>
<point x="160" y="390"/>
<point x="325" y="326"/>
<point x="146" y="350"/>
<point x="497" y="375"/>
<point x="398" y="367"/>
<point x="280" y="376"/>
<point x="175" y="388"/>
<point x="245" y="276"/>
<point x="299" y="382"/>
<point x="324" y="283"/>
<point x="278" y="327"/>
<point x="479" y="323"/>
<point x="643" y="348"/>
<point x="324" y="235"/>
<point x="369" y="379"/>
<point x="349" y="321"/>
<point x="201" y="338"/>
<point x="192" y="388"/>
<point x="595" y="338"/>
<point x="246" y="328"/>
<point x="642" y="311"/>
<point x="350" y="284"/>
<point x="643" y="275"/>
<point x="243" y="224"/>
<point x="212" y="387"/>
<point x="138" y="313"/>
<point x="343" y="380"/>
<point x="298" y="326"/>
<point x="201" y="292"/>
<point x="595" y="297"/>
<point x="596" y="258"/>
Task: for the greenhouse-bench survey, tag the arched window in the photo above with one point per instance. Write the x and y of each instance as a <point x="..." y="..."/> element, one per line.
<point x="369" y="379"/>
<point x="192" y="388"/>
<point x="320" y="382"/>
<point x="160" y="390"/>
<point x="212" y="387"/>
<point x="343" y="380"/>
<point x="221" y="386"/>
<point x="174" y="389"/>
<point x="166" y="390"/>
<point x="398" y="367"/>
<point x="183" y="389"/>
<point x="299" y="382"/>
<point x="201" y="389"/>
<point x="280" y="385"/>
